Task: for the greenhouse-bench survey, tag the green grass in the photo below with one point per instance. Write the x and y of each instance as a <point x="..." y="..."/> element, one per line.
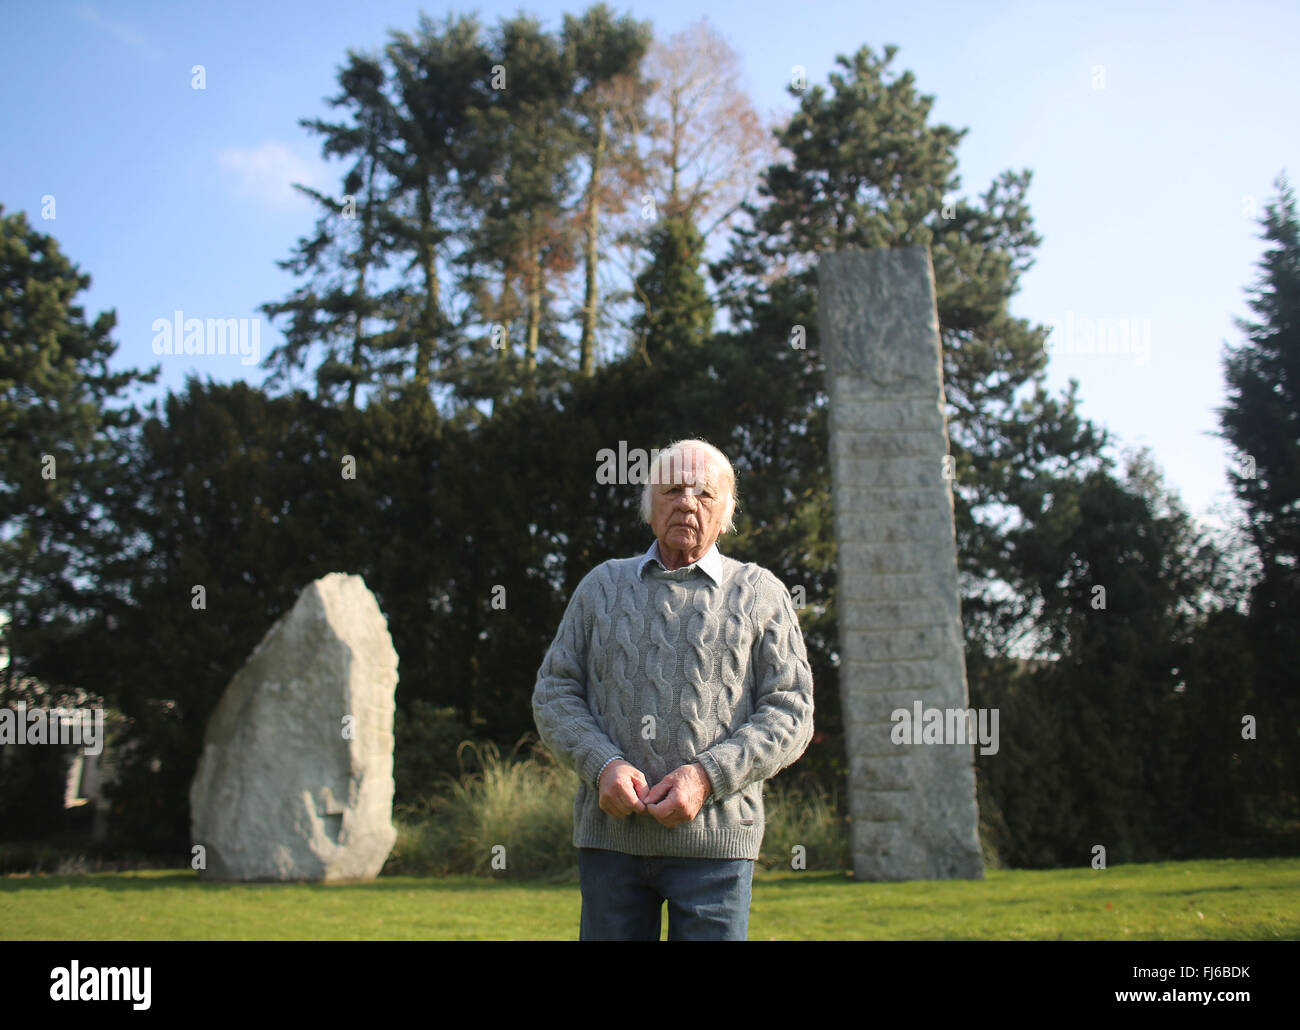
<point x="1208" y="900"/>
<point x="1256" y="899"/>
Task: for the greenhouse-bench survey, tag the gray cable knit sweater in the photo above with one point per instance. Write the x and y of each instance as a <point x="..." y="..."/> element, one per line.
<point x="671" y="668"/>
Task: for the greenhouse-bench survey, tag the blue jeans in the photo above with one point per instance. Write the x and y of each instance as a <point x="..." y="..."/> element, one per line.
<point x="623" y="896"/>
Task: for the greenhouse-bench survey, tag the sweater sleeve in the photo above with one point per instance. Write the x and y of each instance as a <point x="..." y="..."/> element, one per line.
<point x="781" y="726"/>
<point x="560" y="709"/>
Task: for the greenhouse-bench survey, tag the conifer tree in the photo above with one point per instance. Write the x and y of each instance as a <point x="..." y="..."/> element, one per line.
<point x="342" y="311"/>
<point x="1261" y="421"/>
<point x="63" y="428"/>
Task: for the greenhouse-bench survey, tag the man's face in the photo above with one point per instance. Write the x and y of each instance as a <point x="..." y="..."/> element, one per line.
<point x="689" y="504"/>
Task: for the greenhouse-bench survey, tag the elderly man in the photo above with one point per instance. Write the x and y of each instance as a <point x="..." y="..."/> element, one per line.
<point x="676" y="684"/>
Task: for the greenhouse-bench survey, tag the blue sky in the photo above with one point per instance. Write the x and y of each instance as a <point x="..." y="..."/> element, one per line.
<point x="1154" y="132"/>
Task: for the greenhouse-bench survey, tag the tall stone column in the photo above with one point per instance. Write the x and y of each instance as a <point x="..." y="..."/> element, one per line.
<point x="912" y="796"/>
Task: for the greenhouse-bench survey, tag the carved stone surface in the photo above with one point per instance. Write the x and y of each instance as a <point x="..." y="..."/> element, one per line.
<point x="912" y="803"/>
<point x="885" y="323"/>
<point x="295" y="781"/>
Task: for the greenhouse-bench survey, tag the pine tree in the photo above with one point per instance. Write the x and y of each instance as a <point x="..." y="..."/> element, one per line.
<point x="677" y="313"/>
<point x="441" y="76"/>
<point x="521" y="166"/>
<point x="1261" y="421"/>
<point x="341" y="310"/>
<point x="1262" y="417"/>
<point x="62" y="433"/>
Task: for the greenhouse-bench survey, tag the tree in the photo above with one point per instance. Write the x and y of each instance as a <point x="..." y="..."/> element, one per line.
<point x="609" y="98"/>
<point x="338" y="309"/>
<point x="441" y="77"/>
<point x="61" y="433"/>
<point x="677" y="312"/>
<point x="707" y="143"/>
<point x="523" y="152"/>
<point x="706" y="148"/>
<point x="62" y="557"/>
<point x="1261" y="421"/>
<point x="1094" y="742"/>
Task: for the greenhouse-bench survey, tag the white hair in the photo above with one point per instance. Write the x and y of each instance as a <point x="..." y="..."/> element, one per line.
<point x="674" y="453"/>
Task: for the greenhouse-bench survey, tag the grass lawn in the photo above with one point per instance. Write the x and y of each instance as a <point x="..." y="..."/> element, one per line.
<point x="1207" y="900"/>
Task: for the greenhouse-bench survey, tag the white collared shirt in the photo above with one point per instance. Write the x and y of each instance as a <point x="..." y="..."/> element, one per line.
<point x="710" y="564"/>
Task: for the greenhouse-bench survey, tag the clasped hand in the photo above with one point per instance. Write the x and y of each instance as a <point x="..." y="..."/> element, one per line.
<point x="674" y="800"/>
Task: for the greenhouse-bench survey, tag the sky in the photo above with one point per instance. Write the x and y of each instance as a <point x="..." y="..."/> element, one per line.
<point x="1154" y="132"/>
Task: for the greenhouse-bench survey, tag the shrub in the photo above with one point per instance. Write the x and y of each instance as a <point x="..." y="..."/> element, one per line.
<point x="805" y="815"/>
<point x="516" y="811"/>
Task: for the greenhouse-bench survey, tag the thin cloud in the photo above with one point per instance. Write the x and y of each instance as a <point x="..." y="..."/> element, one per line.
<point x="266" y="174"/>
<point x="133" y="38"/>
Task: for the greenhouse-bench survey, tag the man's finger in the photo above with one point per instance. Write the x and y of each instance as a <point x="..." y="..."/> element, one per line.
<point x="657" y="792"/>
<point x="631" y="798"/>
<point x="668" y="811"/>
<point x="670" y="799"/>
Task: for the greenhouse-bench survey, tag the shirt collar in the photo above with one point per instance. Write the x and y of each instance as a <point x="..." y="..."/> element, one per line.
<point x="710" y="564"/>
